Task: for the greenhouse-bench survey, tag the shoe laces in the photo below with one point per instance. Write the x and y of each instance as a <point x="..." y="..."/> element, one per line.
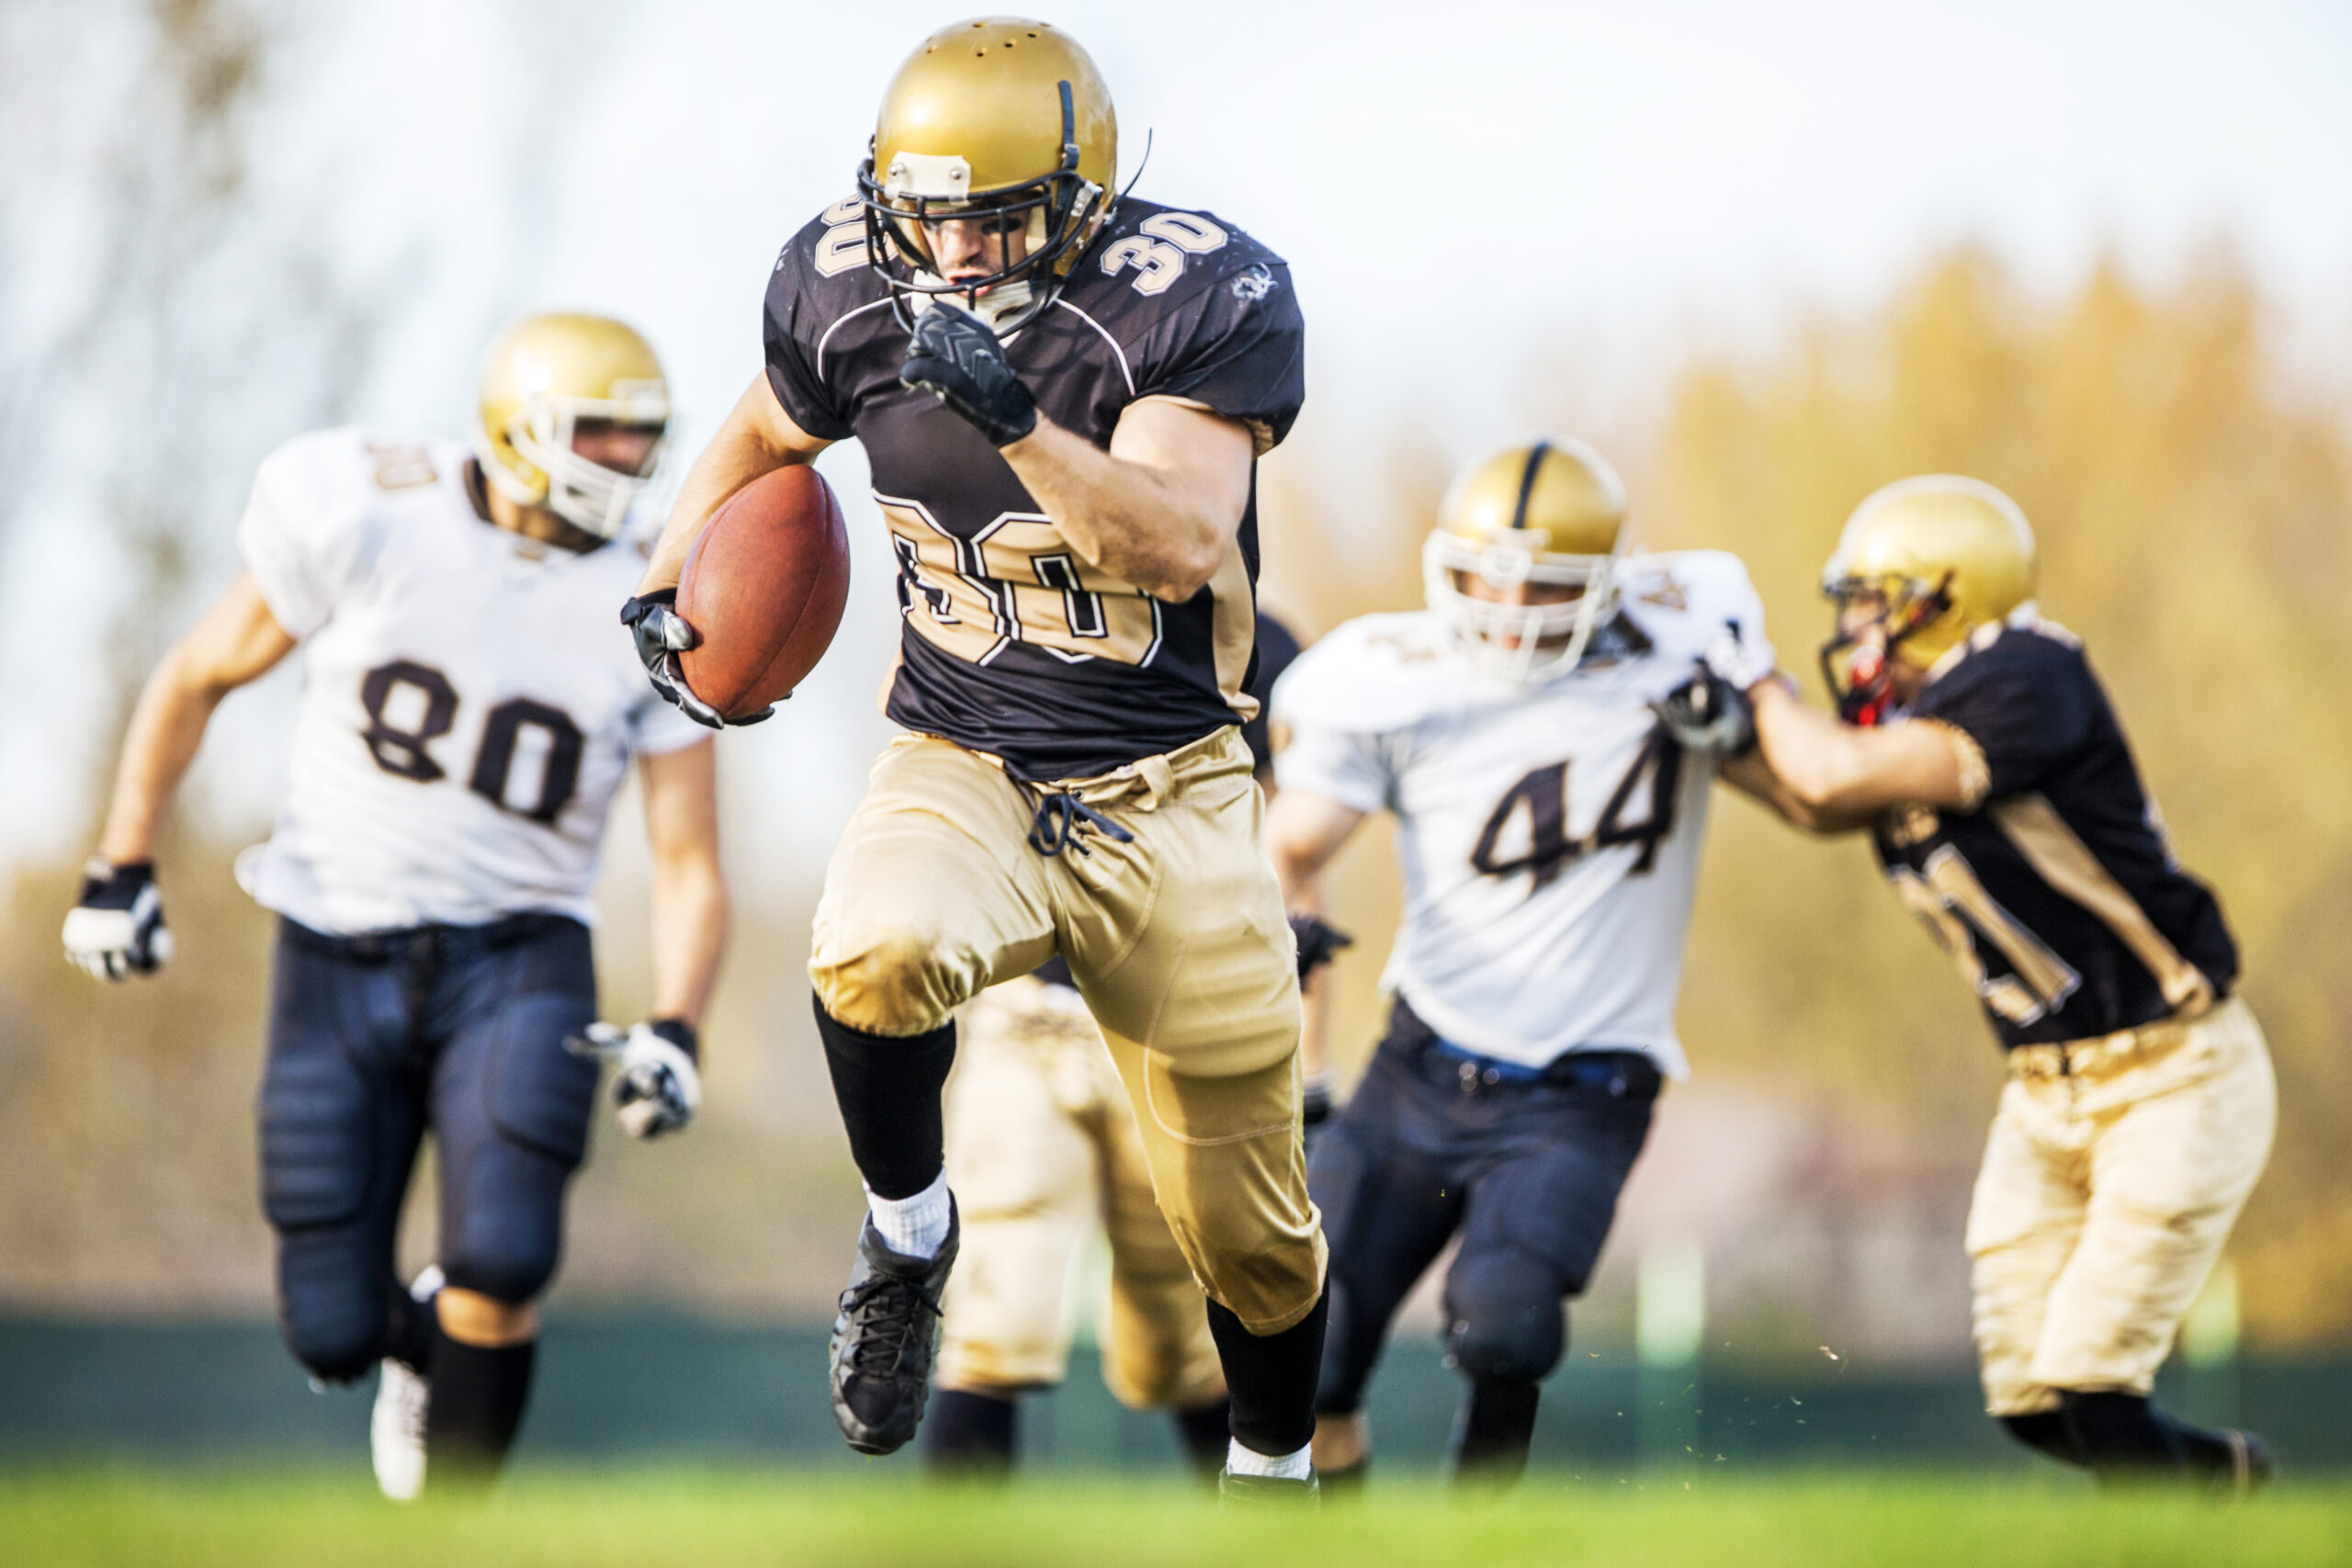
<point x="888" y="1312"/>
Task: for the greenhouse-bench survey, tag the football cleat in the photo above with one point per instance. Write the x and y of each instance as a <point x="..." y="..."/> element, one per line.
<point x="885" y="1339"/>
<point x="396" y="1427"/>
<point x="1258" y="1493"/>
<point x="2251" y="1466"/>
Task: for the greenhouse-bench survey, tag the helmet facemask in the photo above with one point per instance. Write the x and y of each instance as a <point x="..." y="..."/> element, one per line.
<point x="1054" y="214"/>
<point x="554" y="474"/>
<point x="1523" y="643"/>
<point x="1860" y="669"/>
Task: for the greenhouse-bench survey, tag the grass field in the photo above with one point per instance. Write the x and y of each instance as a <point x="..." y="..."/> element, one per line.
<point x="587" y="1518"/>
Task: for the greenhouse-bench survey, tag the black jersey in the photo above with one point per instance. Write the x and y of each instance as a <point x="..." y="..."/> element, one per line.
<point x="2059" y="895"/>
<point x="1013" y="645"/>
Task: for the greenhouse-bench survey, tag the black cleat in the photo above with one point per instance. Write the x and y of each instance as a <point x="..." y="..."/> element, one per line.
<point x="1265" y="1494"/>
<point x="2250" y="1467"/>
<point x="884" y="1340"/>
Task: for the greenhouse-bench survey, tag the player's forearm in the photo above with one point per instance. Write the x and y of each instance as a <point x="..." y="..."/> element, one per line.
<point x="750" y="444"/>
<point x="1823" y="765"/>
<point x="166" y="730"/>
<point x="689" y="935"/>
<point x="1141" y="524"/>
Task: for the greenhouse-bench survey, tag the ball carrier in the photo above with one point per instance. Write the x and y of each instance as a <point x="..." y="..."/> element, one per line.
<point x="1063" y="395"/>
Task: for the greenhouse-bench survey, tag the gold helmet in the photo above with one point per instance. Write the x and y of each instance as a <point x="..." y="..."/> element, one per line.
<point x="1940" y="555"/>
<point x="998" y="121"/>
<point x="1549" y="514"/>
<point x="544" y="377"/>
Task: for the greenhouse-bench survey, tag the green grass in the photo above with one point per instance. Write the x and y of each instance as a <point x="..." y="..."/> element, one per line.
<point x="582" y="1519"/>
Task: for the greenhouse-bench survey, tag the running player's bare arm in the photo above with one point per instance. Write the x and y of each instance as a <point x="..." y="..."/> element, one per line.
<point x="689" y="891"/>
<point x="757" y="438"/>
<point x="1159" y="509"/>
<point x="1303" y="832"/>
<point x="237" y="641"/>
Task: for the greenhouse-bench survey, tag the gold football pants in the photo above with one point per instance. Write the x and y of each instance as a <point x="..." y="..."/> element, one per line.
<point x="1178" y="942"/>
<point x="2106" y="1192"/>
<point x="1041" y="1146"/>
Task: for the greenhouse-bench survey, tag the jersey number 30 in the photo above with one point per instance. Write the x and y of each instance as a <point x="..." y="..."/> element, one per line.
<point x="401" y="750"/>
<point x="1544" y="793"/>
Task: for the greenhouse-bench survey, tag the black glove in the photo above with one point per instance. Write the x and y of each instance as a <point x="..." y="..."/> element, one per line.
<point x="116" y="928"/>
<point x="1314" y="1106"/>
<point x="956" y="357"/>
<point x="1707" y="714"/>
<point x="1318" y="943"/>
<point x="662" y="634"/>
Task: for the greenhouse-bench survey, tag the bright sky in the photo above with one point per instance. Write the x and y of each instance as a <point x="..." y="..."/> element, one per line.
<point x="1447" y="181"/>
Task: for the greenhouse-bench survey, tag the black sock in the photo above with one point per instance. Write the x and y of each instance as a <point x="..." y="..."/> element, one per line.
<point x="888" y="1089"/>
<point x="476" y="1404"/>
<point x="1205" y="1431"/>
<point x="409" y="1332"/>
<point x="1497" y="1427"/>
<point x="968" y="1435"/>
<point x="2046" y="1431"/>
<point x="1271" y="1378"/>
<point x="2121" y="1437"/>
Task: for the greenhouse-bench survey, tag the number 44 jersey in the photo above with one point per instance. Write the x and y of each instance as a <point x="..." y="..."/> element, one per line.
<point x="468" y="702"/>
<point x="1550" y="833"/>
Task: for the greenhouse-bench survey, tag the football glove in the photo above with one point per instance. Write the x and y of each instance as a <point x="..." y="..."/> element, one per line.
<point x="658" y="1088"/>
<point x="117" y="927"/>
<point x="1313" y="1108"/>
<point x="956" y="357"/>
<point x="662" y="634"/>
<point x="1707" y="714"/>
<point x="1318" y="943"/>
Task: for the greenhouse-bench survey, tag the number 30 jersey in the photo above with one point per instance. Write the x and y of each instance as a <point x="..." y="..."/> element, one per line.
<point x="1549" y="834"/>
<point x="1013" y="644"/>
<point x="468" y="702"/>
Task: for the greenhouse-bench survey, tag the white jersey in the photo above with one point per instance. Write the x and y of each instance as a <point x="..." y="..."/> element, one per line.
<point x="469" y="700"/>
<point x="1550" y="834"/>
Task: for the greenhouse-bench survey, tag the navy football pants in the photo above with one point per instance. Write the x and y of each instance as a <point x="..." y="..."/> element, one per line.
<point x="1528" y="1173"/>
<point x="374" y="1040"/>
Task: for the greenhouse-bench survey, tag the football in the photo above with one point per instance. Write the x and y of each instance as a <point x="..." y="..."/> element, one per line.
<point x="764" y="585"/>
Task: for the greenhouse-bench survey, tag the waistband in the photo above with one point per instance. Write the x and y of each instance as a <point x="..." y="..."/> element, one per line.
<point x="435" y="941"/>
<point x="2100" y="1054"/>
<point x="1621" y="1073"/>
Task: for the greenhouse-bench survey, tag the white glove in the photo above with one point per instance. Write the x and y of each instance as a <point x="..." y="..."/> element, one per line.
<point x="117" y="928"/>
<point x="658" y="1088"/>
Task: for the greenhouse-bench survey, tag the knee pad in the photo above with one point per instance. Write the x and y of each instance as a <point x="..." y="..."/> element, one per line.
<point x="338" y="1329"/>
<point x="1506" y="1323"/>
<point x="510" y="1258"/>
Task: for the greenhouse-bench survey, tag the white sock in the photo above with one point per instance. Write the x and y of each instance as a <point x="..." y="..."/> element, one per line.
<point x="916" y="1226"/>
<point x="1249" y="1461"/>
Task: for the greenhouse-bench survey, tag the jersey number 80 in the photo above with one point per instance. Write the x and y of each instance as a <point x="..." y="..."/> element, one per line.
<point x="401" y="750"/>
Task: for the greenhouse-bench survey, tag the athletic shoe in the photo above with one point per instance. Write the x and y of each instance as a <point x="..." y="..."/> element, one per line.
<point x="885" y="1337"/>
<point x="396" y="1428"/>
<point x="1265" y="1494"/>
<point x="2251" y="1466"/>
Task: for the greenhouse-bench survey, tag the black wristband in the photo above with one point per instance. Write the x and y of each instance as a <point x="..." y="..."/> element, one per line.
<point x="678" y="1032"/>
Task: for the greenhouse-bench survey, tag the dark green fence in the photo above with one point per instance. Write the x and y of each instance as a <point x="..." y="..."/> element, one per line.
<point x="690" y="1389"/>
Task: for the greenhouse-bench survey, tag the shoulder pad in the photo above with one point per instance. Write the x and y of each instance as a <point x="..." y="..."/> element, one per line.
<point x="1686" y="602"/>
<point x="1372" y="674"/>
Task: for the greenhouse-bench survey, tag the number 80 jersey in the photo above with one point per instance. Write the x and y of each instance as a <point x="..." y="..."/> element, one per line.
<point x="469" y="703"/>
<point x="1549" y="834"/>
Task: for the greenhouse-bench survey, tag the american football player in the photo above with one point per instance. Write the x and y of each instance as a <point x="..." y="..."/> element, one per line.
<point x="1042" y="1148"/>
<point x="1062" y="392"/>
<point x="466" y="719"/>
<point x="1544" y="734"/>
<point x="1979" y="750"/>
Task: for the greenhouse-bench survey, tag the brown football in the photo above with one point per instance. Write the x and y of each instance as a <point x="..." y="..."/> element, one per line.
<point x="764" y="585"/>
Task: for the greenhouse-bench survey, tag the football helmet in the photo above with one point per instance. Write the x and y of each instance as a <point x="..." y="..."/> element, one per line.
<point x="1941" y="555"/>
<point x="1549" y="513"/>
<point x="544" y="375"/>
<point x="1004" y="123"/>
